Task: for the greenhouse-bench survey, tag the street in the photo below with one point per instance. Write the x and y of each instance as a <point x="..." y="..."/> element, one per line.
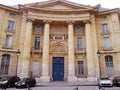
<point x="68" y="88"/>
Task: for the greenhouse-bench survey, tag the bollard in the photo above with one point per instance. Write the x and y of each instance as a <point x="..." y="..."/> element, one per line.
<point x="29" y="87"/>
<point x="75" y="88"/>
<point x="4" y="87"/>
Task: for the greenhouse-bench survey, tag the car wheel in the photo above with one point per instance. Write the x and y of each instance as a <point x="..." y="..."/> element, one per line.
<point x="99" y="87"/>
<point x="8" y="85"/>
<point x="27" y="86"/>
<point x="33" y="85"/>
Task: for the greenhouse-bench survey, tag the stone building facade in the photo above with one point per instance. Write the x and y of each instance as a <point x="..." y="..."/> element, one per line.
<point x="58" y="40"/>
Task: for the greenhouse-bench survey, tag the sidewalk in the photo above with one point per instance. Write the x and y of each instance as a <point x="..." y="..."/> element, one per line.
<point x="65" y="84"/>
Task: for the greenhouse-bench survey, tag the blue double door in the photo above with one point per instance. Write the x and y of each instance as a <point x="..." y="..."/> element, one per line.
<point x="58" y="68"/>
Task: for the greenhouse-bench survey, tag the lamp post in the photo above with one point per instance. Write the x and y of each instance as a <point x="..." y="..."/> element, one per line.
<point x="99" y="54"/>
<point x="18" y="54"/>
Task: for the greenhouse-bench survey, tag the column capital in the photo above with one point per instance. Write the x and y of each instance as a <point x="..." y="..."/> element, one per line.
<point x="30" y="20"/>
<point x="87" y="21"/>
<point x="70" y="22"/>
<point x="47" y="21"/>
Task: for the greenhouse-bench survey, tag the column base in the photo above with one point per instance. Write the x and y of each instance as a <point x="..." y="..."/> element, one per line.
<point x="45" y="78"/>
<point x="71" y="78"/>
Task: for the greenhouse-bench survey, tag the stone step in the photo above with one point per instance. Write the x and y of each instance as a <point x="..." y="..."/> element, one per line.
<point x="65" y="84"/>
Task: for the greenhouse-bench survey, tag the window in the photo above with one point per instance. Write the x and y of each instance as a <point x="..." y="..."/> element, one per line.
<point x="104" y="28"/>
<point x="11" y="25"/>
<point x="79" y="30"/>
<point x="106" y="43"/>
<point x="109" y="65"/>
<point x="37" y="43"/>
<point x="8" y="43"/>
<point x="38" y="29"/>
<point x="12" y="15"/>
<point x="79" y="43"/>
<point x="5" y="64"/>
<point x="80" y="68"/>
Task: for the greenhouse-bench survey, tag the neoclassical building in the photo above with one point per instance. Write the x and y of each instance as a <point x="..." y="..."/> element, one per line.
<point x="59" y="40"/>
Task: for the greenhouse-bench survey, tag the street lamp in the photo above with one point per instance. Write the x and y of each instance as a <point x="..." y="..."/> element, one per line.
<point x="18" y="54"/>
<point x="99" y="54"/>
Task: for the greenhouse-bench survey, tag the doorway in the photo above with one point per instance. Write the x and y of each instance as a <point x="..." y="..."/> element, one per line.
<point x="58" y="68"/>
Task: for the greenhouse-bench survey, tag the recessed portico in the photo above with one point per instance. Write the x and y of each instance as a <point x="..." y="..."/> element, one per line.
<point x="57" y="35"/>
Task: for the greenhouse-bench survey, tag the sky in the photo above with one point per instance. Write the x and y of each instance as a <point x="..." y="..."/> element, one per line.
<point x="104" y="3"/>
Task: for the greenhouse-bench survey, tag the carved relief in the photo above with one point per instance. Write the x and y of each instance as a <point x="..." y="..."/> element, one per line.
<point x="58" y="48"/>
<point x="58" y="37"/>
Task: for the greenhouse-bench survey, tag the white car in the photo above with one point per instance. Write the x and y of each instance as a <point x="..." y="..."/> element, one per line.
<point x="105" y="81"/>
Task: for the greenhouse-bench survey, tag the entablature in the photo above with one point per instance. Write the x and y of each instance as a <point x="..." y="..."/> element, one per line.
<point x="58" y="17"/>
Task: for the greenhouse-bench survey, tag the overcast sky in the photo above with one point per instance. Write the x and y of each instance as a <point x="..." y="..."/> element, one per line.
<point x="104" y="3"/>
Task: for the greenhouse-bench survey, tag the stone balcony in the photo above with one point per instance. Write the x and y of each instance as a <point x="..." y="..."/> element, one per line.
<point x="80" y="50"/>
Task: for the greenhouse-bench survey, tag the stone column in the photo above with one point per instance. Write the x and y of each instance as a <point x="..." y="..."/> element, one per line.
<point x="45" y="57"/>
<point x="26" y="49"/>
<point x="71" y="53"/>
<point x="89" y="51"/>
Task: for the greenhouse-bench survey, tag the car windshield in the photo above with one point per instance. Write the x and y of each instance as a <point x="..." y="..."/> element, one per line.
<point x="24" y="79"/>
<point x="4" y="78"/>
<point x="117" y="78"/>
<point x="104" y="78"/>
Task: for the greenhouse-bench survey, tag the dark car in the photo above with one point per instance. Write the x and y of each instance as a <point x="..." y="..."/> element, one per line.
<point x="116" y="81"/>
<point x="8" y="81"/>
<point x="26" y="82"/>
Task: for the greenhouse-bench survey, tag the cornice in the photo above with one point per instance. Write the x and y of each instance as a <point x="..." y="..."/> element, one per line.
<point x="44" y="3"/>
<point x="9" y="8"/>
<point x="109" y="11"/>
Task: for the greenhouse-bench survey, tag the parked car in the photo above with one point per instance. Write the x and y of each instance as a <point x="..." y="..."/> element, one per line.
<point x="116" y="81"/>
<point x="8" y="81"/>
<point x="105" y="81"/>
<point x="26" y="82"/>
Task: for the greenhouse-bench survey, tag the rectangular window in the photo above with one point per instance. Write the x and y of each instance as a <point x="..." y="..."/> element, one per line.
<point x="8" y="42"/>
<point x="79" y="43"/>
<point x="106" y="43"/>
<point x="12" y="15"/>
<point x="80" y="68"/>
<point x="37" y="43"/>
<point x="104" y="28"/>
<point x="11" y="25"/>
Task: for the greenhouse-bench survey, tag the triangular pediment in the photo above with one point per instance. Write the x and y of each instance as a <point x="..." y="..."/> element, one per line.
<point x="58" y="4"/>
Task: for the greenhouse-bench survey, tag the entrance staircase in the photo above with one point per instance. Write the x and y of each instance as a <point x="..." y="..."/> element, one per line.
<point x="65" y="84"/>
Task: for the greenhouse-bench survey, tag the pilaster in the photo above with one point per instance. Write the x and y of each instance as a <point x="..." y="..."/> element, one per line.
<point x="89" y="50"/>
<point x="26" y="49"/>
<point x="95" y="45"/>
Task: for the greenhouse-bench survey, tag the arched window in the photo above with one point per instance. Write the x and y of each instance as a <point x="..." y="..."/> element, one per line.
<point x="38" y="29"/>
<point x="109" y="65"/>
<point x="5" y="64"/>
